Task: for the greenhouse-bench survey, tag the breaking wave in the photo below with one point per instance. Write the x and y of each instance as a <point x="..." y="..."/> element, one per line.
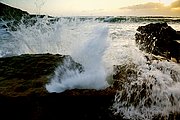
<point x="151" y="87"/>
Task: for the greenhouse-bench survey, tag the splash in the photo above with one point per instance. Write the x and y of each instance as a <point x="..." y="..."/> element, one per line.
<point x="148" y="88"/>
<point x="90" y="56"/>
<point x="150" y="91"/>
<point x="84" y="40"/>
<point x="152" y="88"/>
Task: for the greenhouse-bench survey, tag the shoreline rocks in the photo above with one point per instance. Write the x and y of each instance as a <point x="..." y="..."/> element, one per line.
<point x="11" y="13"/>
<point x="71" y="104"/>
<point x="23" y="94"/>
<point x="159" y="39"/>
<point x="27" y="74"/>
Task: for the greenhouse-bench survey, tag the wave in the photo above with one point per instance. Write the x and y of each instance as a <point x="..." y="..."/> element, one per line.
<point x="97" y="45"/>
<point x="135" y="19"/>
<point x="90" y="56"/>
<point x="85" y="41"/>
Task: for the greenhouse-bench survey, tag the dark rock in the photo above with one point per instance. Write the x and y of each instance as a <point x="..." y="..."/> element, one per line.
<point x="135" y="92"/>
<point x="159" y="39"/>
<point x="21" y="75"/>
<point x="11" y="13"/>
<point x="178" y="35"/>
<point x="123" y="74"/>
<point x="12" y="16"/>
<point x="24" y="97"/>
<point x="71" y="104"/>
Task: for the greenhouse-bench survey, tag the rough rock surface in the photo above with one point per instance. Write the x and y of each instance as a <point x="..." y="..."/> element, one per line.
<point x="27" y="74"/>
<point x="126" y="75"/>
<point x="24" y="97"/>
<point x="11" y="13"/>
<point x="159" y="39"/>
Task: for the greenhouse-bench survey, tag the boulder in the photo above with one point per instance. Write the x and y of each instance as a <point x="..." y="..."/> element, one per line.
<point x="159" y="39"/>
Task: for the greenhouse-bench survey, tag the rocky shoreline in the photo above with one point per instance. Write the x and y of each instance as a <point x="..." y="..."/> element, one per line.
<point x="23" y="94"/>
<point x="23" y="78"/>
<point x="72" y="104"/>
<point x="159" y="39"/>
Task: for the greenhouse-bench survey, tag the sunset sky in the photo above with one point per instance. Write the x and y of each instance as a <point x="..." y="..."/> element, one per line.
<point x="98" y="7"/>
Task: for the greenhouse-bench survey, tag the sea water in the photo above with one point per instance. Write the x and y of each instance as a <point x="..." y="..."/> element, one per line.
<point x="98" y="46"/>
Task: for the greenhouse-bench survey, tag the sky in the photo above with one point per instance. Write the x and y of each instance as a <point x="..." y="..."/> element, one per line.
<point x="98" y="7"/>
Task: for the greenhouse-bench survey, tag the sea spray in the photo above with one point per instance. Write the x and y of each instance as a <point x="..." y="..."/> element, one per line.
<point x="90" y="56"/>
<point x="148" y="87"/>
<point x="152" y="92"/>
<point x="47" y="35"/>
<point x="84" y="40"/>
<point x="72" y="36"/>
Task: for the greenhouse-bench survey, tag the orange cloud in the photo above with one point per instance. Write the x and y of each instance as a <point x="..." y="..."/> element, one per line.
<point x="176" y="4"/>
<point x="149" y="5"/>
<point x="153" y="9"/>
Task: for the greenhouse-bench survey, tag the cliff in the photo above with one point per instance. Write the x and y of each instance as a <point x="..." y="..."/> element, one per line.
<point x="11" y="13"/>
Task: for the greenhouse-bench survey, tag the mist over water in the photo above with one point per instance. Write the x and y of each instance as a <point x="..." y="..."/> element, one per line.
<point x="98" y="46"/>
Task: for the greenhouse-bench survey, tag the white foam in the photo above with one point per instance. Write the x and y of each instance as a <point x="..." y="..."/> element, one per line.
<point x="86" y="42"/>
<point x="90" y="56"/>
<point x="163" y="75"/>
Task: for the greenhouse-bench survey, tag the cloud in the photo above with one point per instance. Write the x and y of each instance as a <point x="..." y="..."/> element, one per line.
<point x="149" y="5"/>
<point x="153" y="8"/>
<point x="176" y="4"/>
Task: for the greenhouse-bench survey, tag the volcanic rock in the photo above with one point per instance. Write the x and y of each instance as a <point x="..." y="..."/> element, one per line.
<point x="159" y="39"/>
<point x="23" y="95"/>
<point x="11" y="13"/>
<point x="25" y="74"/>
<point x="132" y="92"/>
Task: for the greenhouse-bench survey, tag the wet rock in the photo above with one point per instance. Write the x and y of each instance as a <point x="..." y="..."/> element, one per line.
<point x="135" y="92"/>
<point x="159" y="39"/>
<point x="123" y="74"/>
<point x="11" y="13"/>
<point x="23" y="95"/>
<point x="71" y="104"/>
<point x="28" y="73"/>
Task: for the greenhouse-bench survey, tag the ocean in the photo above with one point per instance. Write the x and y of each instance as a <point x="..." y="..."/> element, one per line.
<point x="98" y="43"/>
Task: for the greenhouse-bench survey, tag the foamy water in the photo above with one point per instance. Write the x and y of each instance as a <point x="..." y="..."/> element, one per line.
<point x="162" y="79"/>
<point x="89" y="53"/>
<point x="98" y="46"/>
